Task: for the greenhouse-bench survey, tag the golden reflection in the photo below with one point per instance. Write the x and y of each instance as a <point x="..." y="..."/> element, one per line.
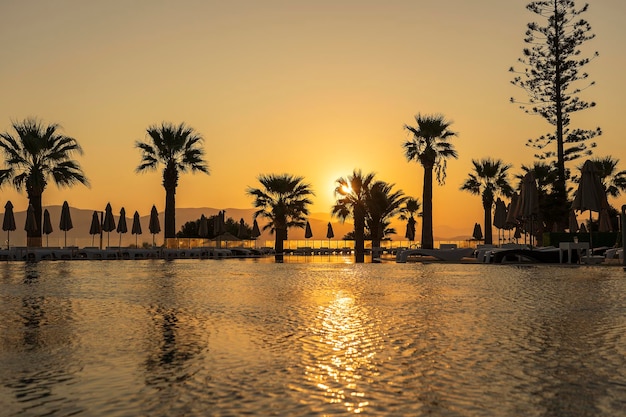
<point x="342" y="355"/>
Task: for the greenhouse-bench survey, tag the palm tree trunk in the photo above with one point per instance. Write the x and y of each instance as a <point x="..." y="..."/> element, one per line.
<point x="278" y="245"/>
<point x="427" y="201"/>
<point x="359" y="231"/>
<point x="170" y="213"/>
<point x="488" y="228"/>
<point x="376" y="237"/>
<point x="34" y="237"/>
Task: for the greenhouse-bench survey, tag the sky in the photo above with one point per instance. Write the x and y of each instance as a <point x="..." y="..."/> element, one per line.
<point x="309" y="88"/>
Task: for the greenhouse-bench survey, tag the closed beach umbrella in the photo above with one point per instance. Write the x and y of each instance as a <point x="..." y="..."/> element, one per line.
<point x="529" y="202"/>
<point x="256" y="232"/>
<point x="95" y="228"/>
<point x="329" y="233"/>
<point x="65" y="223"/>
<point x="477" y="234"/>
<point x="499" y="216"/>
<point x="590" y="194"/>
<point x="154" y="225"/>
<point x="122" y="227"/>
<point x="308" y="233"/>
<point x="512" y="212"/>
<point x="136" y="229"/>
<point x="108" y="225"/>
<point x="30" y="226"/>
<point x="46" y="228"/>
<point x="8" y="222"/>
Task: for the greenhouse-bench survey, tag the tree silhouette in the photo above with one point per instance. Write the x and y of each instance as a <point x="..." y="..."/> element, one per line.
<point x="179" y="149"/>
<point x="351" y="193"/>
<point x="551" y="78"/>
<point x="430" y="146"/>
<point x="382" y="205"/>
<point x="488" y="180"/>
<point x="283" y="201"/>
<point x="36" y="154"/>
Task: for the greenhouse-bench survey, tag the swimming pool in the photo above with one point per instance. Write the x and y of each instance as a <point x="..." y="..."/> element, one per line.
<point x="233" y="337"/>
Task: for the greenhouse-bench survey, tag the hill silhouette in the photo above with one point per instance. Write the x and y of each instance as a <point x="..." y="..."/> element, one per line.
<point x="81" y="219"/>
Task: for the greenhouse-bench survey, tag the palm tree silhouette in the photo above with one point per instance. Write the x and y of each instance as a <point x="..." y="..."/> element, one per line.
<point x="283" y="201"/>
<point x="351" y="194"/>
<point x="179" y="149"/>
<point x="430" y="147"/>
<point x="410" y="209"/>
<point x="34" y="155"/>
<point x="382" y="204"/>
<point x="489" y="180"/>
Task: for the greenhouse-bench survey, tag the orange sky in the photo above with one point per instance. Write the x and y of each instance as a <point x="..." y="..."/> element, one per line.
<point x="308" y="88"/>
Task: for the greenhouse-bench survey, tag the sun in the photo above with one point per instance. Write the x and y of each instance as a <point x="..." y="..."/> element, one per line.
<point x="346" y="189"/>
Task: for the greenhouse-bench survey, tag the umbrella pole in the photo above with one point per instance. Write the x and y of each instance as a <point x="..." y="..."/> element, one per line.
<point x="590" y="235"/>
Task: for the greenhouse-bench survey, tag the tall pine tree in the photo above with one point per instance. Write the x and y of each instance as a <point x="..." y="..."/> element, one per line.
<point x="553" y="78"/>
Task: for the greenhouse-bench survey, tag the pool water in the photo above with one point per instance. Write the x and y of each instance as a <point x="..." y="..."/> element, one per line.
<point x="236" y="337"/>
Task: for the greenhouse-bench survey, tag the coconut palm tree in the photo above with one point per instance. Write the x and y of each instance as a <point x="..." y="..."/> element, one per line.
<point x="34" y="155"/>
<point x="410" y="209"/>
<point x="382" y="204"/>
<point x="351" y="193"/>
<point x="489" y="180"/>
<point x="179" y="149"/>
<point x="430" y="146"/>
<point x="283" y="201"/>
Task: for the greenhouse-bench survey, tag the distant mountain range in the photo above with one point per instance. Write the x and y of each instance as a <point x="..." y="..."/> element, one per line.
<point x="81" y="219"/>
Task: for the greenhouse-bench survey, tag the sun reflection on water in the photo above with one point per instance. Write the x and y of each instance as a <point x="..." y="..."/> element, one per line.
<point x="343" y="354"/>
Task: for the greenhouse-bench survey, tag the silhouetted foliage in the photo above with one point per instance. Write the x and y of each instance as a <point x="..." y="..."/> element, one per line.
<point x="191" y="229"/>
<point x="36" y="155"/>
<point x="179" y="149"/>
<point x="351" y="193"/>
<point x="551" y="79"/>
<point x="489" y="180"/>
<point x="429" y="145"/>
<point x="283" y="201"/>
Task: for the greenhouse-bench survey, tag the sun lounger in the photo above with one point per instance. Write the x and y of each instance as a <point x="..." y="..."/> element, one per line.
<point x="539" y="255"/>
<point x="450" y="255"/>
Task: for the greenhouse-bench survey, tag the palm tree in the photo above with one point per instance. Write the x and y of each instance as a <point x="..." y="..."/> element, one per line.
<point x="430" y="147"/>
<point x="33" y="156"/>
<point x="489" y="180"/>
<point x="179" y="149"/>
<point x="382" y="205"/>
<point x="411" y="207"/>
<point x="284" y="201"/>
<point x="351" y="194"/>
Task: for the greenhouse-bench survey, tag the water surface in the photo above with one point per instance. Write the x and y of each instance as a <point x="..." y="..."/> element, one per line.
<point x="233" y="337"/>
